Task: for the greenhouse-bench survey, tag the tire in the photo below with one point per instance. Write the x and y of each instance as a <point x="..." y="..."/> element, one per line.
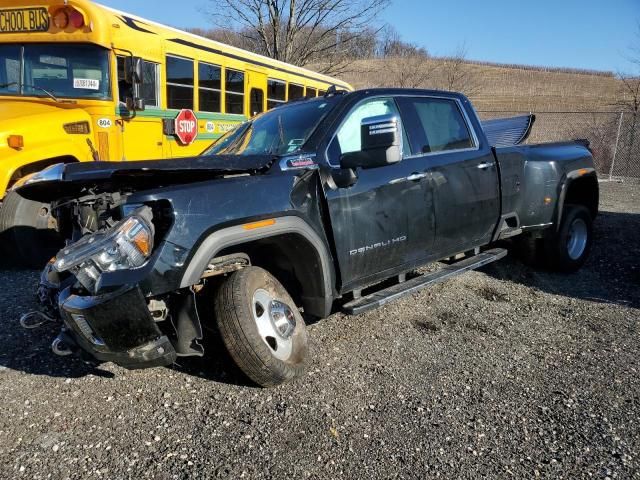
<point x="568" y="249"/>
<point x="528" y="250"/>
<point x="267" y="355"/>
<point x="26" y="233"/>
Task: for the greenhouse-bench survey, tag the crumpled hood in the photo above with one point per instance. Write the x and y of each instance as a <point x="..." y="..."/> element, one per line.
<point x="67" y="180"/>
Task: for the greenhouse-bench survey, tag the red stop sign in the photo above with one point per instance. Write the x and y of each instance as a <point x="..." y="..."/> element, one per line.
<point x="186" y="126"/>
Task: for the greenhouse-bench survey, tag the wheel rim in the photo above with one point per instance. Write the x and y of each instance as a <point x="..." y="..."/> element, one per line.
<point x="577" y="239"/>
<point x="276" y="323"/>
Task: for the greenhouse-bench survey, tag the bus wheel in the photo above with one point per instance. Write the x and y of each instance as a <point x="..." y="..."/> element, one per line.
<point x="27" y="231"/>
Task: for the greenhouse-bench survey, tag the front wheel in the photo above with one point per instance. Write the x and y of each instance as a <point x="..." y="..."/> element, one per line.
<point x="568" y="249"/>
<point x="27" y="231"/>
<point x="261" y="327"/>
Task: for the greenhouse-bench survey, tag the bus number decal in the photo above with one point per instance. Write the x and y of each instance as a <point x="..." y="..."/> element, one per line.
<point x="105" y="123"/>
<point x="86" y="83"/>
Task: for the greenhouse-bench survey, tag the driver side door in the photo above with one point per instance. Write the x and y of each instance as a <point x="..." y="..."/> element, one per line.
<point x="383" y="223"/>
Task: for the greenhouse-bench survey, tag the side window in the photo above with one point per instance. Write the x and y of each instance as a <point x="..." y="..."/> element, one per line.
<point x="179" y="83"/>
<point x="234" y="86"/>
<point x="210" y="88"/>
<point x="322" y="93"/>
<point x="312" y="92"/>
<point x="276" y="93"/>
<point x="436" y="125"/>
<point x="349" y="136"/>
<point x="149" y="87"/>
<point x="295" y="91"/>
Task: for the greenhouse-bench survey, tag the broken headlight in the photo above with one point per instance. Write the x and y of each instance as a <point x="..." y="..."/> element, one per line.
<point x="125" y="246"/>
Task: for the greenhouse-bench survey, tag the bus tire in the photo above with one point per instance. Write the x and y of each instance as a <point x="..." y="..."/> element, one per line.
<point x="26" y="231"/>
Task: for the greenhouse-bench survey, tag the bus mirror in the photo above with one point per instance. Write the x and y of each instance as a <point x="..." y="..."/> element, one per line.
<point x="133" y="70"/>
<point x="136" y="104"/>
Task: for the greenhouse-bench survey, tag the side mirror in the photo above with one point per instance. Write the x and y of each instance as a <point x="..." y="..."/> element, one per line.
<point x="381" y="143"/>
<point x="133" y="70"/>
<point x="135" y="104"/>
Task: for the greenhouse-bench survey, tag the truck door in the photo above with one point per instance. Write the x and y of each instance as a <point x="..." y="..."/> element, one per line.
<point x="384" y="222"/>
<point x="464" y="176"/>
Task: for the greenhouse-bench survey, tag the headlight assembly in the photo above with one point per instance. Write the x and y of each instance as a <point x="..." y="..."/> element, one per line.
<point x="126" y="245"/>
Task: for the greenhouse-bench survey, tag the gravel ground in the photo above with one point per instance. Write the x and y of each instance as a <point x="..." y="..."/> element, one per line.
<point x="507" y="372"/>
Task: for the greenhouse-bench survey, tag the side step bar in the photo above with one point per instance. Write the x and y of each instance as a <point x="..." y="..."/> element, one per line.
<point x="382" y="297"/>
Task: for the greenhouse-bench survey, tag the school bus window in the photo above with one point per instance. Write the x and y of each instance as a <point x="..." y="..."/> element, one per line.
<point x="234" y="86"/>
<point x="179" y="83"/>
<point x="149" y="88"/>
<point x="295" y="91"/>
<point x="276" y="93"/>
<point x="209" y="84"/>
<point x="322" y="93"/>
<point x="312" y="92"/>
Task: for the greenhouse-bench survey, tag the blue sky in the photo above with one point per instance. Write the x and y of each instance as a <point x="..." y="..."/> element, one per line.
<point x="571" y="33"/>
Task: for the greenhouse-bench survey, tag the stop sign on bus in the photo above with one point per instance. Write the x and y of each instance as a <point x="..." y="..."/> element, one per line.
<point x="186" y="126"/>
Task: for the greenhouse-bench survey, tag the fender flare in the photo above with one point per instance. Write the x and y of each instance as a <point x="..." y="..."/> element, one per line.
<point x="237" y="235"/>
<point x="569" y="178"/>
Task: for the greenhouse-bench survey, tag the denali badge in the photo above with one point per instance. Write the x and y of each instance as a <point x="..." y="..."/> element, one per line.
<point x="375" y="246"/>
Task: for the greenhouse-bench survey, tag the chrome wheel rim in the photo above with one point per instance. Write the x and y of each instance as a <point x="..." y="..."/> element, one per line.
<point x="276" y="323"/>
<point x="577" y="239"/>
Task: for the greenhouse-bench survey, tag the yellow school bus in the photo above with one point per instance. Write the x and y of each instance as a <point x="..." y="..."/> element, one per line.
<point x="83" y="82"/>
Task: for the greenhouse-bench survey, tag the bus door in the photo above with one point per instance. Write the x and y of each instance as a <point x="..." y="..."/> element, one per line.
<point x="142" y="134"/>
<point x="257" y="88"/>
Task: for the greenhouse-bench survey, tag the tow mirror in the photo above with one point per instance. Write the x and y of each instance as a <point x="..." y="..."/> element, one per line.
<point x="381" y="143"/>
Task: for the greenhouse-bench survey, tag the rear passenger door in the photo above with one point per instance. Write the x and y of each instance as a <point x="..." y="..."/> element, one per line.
<point x="463" y="174"/>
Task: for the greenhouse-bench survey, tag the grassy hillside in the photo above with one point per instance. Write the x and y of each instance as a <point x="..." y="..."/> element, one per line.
<point x="496" y="87"/>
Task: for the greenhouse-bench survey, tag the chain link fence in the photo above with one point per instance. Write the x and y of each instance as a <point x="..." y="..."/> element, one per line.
<point x="614" y="137"/>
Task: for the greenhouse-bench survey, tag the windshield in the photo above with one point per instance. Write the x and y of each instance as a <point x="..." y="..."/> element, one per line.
<point x="277" y="132"/>
<point x="63" y="70"/>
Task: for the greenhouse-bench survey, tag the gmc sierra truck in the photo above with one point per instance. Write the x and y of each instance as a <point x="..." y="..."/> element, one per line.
<point x="319" y="205"/>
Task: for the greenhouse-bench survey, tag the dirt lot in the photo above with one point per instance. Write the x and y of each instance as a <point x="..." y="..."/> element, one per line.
<point x="507" y="372"/>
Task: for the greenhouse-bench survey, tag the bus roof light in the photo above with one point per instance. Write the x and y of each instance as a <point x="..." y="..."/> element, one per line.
<point x="76" y="19"/>
<point x="61" y="19"/>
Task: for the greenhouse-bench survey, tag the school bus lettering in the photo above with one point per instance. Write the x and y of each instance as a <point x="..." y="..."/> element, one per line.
<point x="24" y="20"/>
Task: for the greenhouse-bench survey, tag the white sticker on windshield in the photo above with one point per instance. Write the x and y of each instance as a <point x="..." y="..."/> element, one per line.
<point x="86" y="83"/>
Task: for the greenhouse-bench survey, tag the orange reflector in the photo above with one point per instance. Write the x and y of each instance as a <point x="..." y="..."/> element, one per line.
<point x="61" y="19"/>
<point x="260" y="224"/>
<point x="16" y="141"/>
<point x="583" y="171"/>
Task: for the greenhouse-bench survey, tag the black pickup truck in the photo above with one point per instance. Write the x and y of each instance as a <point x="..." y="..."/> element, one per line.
<point x="316" y="206"/>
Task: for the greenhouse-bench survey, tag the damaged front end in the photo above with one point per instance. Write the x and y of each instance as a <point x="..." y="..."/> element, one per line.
<point x="93" y="287"/>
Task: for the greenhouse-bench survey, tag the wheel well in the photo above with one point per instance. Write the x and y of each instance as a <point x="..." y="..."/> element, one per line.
<point x="584" y="191"/>
<point x="296" y="264"/>
<point x="34" y="167"/>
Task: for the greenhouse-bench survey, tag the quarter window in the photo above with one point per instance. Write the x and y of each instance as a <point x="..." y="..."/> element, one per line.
<point x="210" y="83"/>
<point x="295" y="91"/>
<point x="179" y="83"/>
<point x="276" y="93"/>
<point x="234" y="86"/>
<point x="437" y="125"/>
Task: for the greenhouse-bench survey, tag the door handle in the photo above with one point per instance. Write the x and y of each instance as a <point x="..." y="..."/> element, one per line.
<point x="485" y="165"/>
<point x="417" y="176"/>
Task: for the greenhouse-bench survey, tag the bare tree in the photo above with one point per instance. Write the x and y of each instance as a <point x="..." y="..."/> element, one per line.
<point x="300" y="31"/>
<point x="457" y="74"/>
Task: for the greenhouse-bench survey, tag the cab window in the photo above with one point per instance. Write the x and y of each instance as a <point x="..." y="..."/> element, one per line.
<point x="435" y="125"/>
<point x="349" y="134"/>
<point x="179" y="83"/>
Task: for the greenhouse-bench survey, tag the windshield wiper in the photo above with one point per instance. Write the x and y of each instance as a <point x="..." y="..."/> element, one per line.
<point x="35" y="87"/>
